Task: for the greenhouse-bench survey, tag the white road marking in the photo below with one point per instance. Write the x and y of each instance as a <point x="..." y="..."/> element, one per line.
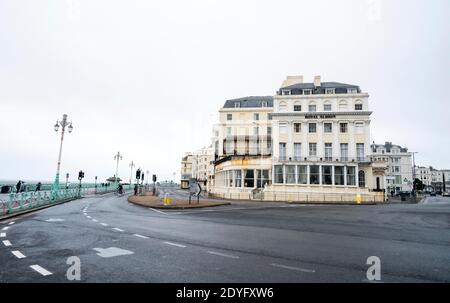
<point x="7" y="243"/>
<point x="18" y="254"/>
<point x="118" y="229"/>
<point x="175" y="244"/>
<point x="54" y="220"/>
<point x="222" y="255"/>
<point x="158" y="211"/>
<point x="95" y="220"/>
<point x="89" y="217"/>
<point x="2" y="235"/>
<point x="140" y="236"/>
<point x="293" y="268"/>
<point x="40" y="270"/>
<point x="112" y="252"/>
<point x="5" y="228"/>
<point x="104" y="224"/>
<point x="11" y="223"/>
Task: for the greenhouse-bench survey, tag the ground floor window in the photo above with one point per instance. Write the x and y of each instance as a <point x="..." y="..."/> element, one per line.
<point x="314" y="174"/>
<point x="302" y="174"/>
<point x="238" y="178"/>
<point x="249" y="180"/>
<point x="351" y="178"/>
<point x="263" y="178"/>
<point x="361" y="178"/>
<point x="339" y="175"/>
<point x="327" y="175"/>
<point x="278" y="170"/>
<point x="290" y="174"/>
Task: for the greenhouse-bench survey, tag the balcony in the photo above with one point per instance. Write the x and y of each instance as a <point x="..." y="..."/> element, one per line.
<point x="324" y="159"/>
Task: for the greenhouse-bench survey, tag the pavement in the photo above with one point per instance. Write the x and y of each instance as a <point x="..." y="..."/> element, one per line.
<point x="117" y="241"/>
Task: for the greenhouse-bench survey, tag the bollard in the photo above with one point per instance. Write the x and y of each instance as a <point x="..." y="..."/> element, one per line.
<point x="358" y="199"/>
<point x="31" y="201"/>
<point x="21" y="201"/>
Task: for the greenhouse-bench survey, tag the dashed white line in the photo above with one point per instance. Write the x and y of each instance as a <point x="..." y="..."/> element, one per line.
<point x="158" y="211"/>
<point x="89" y="217"/>
<point x="18" y="254"/>
<point x="175" y="244"/>
<point x="40" y="270"/>
<point x="95" y="220"/>
<point x="140" y="236"/>
<point x="223" y="255"/>
<point x="293" y="268"/>
<point x="11" y="223"/>
<point x="118" y="229"/>
<point x="2" y="235"/>
<point x="104" y="224"/>
<point x="5" y="228"/>
<point x="6" y="243"/>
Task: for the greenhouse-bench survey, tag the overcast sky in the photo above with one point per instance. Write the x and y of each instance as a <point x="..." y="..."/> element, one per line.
<point x="147" y="78"/>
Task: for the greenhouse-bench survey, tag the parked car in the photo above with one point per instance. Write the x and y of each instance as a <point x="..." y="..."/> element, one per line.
<point x="433" y="193"/>
<point x="446" y="194"/>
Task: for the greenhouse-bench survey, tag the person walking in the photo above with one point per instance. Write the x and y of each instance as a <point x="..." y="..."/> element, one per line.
<point x="18" y="186"/>
<point x="38" y="186"/>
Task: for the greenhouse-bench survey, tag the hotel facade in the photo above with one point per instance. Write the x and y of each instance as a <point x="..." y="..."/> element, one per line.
<point x="309" y="142"/>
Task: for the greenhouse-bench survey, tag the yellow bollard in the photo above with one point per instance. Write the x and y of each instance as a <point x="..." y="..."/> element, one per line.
<point x="358" y="199"/>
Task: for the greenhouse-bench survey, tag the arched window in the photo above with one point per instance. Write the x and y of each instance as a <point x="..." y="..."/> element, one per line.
<point x="312" y="106"/>
<point x="327" y="106"/>
<point x="343" y="105"/>
<point x="362" y="178"/>
<point x="283" y="106"/>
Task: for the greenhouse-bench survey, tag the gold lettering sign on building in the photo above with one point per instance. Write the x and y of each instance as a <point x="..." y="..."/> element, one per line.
<point x="326" y="116"/>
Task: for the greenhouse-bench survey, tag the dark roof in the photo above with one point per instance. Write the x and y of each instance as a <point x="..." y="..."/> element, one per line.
<point x="249" y="102"/>
<point x="388" y="146"/>
<point x="340" y="88"/>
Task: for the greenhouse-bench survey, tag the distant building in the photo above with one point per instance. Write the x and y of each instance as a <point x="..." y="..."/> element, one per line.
<point x="203" y="166"/>
<point x="399" y="172"/>
<point x="186" y="170"/>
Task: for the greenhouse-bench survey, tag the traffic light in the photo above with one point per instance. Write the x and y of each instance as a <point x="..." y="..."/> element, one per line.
<point x="80" y="175"/>
<point x="138" y="174"/>
<point x="154" y="178"/>
<point x="142" y="177"/>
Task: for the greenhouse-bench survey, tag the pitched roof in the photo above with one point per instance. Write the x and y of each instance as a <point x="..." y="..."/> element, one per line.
<point x="249" y="102"/>
<point x="340" y="88"/>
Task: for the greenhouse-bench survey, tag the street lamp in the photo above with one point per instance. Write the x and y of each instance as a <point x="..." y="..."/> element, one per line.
<point x="148" y="174"/>
<point x="262" y="158"/>
<point x="131" y="166"/>
<point x="117" y="157"/>
<point x="63" y="123"/>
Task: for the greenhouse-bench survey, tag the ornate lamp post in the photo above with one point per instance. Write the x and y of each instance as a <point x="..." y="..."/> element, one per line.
<point x="117" y="157"/>
<point x="131" y="174"/>
<point x="63" y="123"/>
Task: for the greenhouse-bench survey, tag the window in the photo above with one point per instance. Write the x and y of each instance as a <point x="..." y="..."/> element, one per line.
<point x="262" y="178"/>
<point x="286" y="92"/>
<point x="307" y="91"/>
<point x="329" y="91"/>
<point x="359" y="128"/>
<point x="290" y="174"/>
<point x="352" y="90"/>
<point x="361" y="178"/>
<point x="269" y="117"/>
<point x="256" y="116"/>
<point x="282" y="151"/>
<point x="229" y="174"/>
<point x="342" y="106"/>
<point x="339" y="175"/>
<point x="237" y="105"/>
<point x="358" y="106"/>
<point x="328" y="151"/>
<point x="269" y="130"/>
<point x="229" y="147"/>
<point x="351" y="179"/>
<point x="283" y="106"/>
<point x="256" y="131"/>
<point x="264" y="104"/>
<point x="398" y="179"/>
<point x="314" y="174"/>
<point x="327" y="177"/>
<point x="328" y="127"/>
<point x="312" y="107"/>
<point x="297" y="108"/>
<point x="229" y="117"/>
<point x="302" y="174"/>
<point x="297" y="127"/>
<point x="360" y="151"/>
<point x="297" y="151"/>
<point x="278" y="174"/>
<point x="343" y="127"/>
<point x="327" y="107"/>
<point x="249" y="180"/>
<point x="312" y="127"/>
<point x="228" y="131"/>
<point x="344" y="151"/>
<point x="312" y="149"/>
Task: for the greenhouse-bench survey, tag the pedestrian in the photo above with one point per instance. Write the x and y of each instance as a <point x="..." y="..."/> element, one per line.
<point x="38" y="186"/>
<point x="135" y="189"/>
<point x="18" y="186"/>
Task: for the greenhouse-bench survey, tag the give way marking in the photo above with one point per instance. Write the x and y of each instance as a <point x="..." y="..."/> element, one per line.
<point x="112" y="252"/>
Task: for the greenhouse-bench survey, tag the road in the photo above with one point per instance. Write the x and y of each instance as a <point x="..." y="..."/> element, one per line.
<point x="244" y="242"/>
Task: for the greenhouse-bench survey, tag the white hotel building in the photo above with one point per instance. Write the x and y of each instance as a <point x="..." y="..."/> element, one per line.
<point x="309" y="142"/>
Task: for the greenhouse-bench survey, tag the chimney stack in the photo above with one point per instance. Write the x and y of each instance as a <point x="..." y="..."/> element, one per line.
<point x="291" y="80"/>
<point x="317" y="81"/>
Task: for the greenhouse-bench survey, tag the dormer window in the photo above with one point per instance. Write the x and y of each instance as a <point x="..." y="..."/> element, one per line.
<point x="352" y="90"/>
<point x="264" y="104"/>
<point x="285" y="92"/>
<point x="307" y="91"/>
<point x="329" y="91"/>
<point x="237" y="105"/>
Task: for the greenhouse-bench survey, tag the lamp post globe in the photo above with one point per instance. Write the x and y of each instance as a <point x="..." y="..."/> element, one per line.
<point x="63" y="123"/>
